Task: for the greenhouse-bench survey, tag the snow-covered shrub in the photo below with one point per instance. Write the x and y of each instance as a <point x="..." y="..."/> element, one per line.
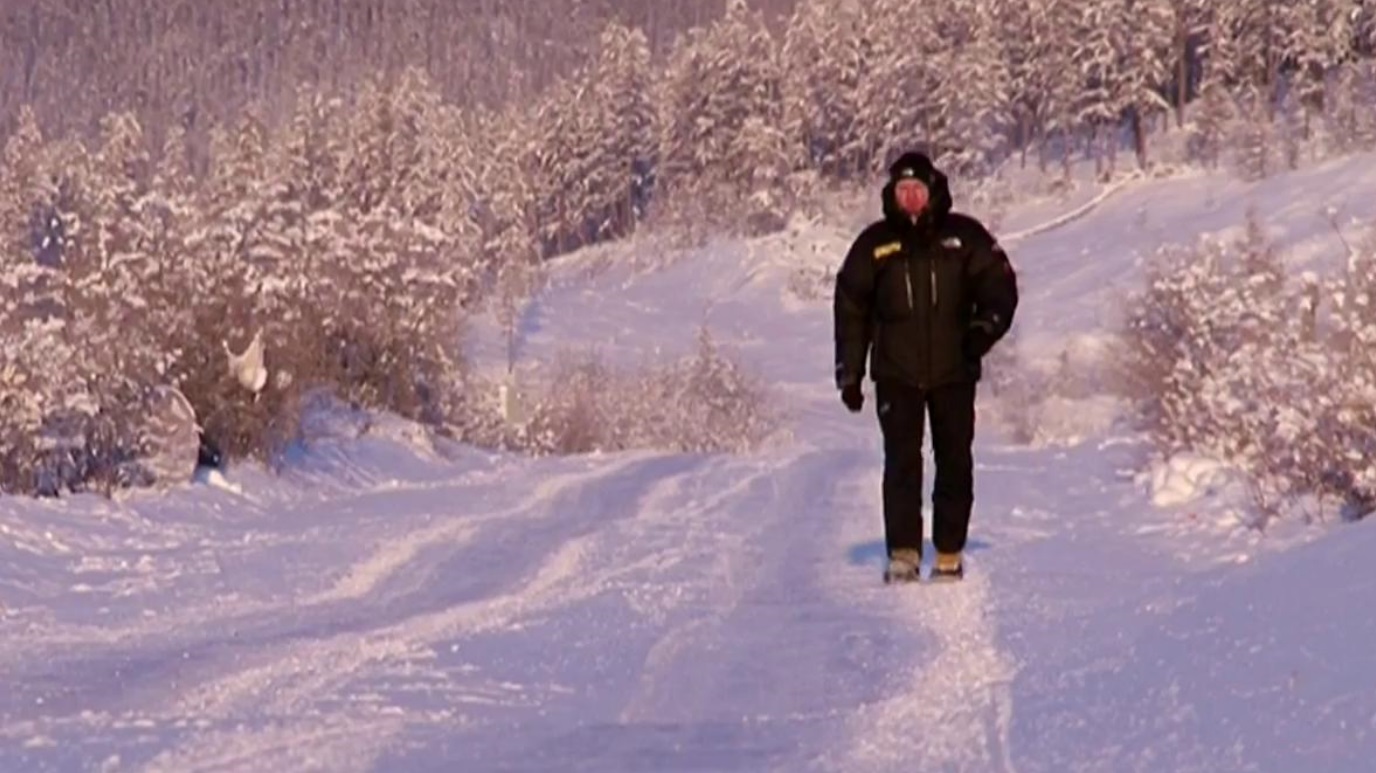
<point x="581" y="411"/>
<point x="703" y="402"/>
<point x="81" y="347"/>
<point x="811" y="283"/>
<point x="1053" y="399"/>
<point x="333" y="247"/>
<point x="332" y="244"/>
<point x="1016" y="391"/>
<point x="1225" y="358"/>
<point x="68" y="420"/>
<point x="1253" y="149"/>
<point x="1349" y="388"/>
<point x="987" y="198"/>
<point x="713" y="403"/>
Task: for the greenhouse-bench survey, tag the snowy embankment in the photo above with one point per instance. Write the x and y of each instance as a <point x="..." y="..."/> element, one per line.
<point x="391" y="603"/>
<point x="1075" y="214"/>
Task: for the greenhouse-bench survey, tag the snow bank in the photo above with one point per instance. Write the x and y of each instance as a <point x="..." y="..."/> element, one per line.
<point x="1186" y="478"/>
<point x="1260" y="666"/>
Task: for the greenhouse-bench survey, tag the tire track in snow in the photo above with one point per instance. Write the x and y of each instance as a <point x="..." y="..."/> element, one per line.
<point x="770" y="556"/>
<point x="395" y="556"/>
<point x="293" y="665"/>
<point x="370" y="594"/>
<point x="292" y="680"/>
<point x="340" y="745"/>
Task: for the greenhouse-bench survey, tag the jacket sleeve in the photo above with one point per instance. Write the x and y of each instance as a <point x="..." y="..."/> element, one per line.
<point x="852" y="312"/>
<point x="995" y="286"/>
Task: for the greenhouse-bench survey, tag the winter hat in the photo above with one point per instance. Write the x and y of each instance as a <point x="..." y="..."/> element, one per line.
<point x="913" y="164"/>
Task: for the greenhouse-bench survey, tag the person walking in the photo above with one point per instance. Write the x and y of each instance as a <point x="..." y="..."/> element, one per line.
<point x="921" y="297"/>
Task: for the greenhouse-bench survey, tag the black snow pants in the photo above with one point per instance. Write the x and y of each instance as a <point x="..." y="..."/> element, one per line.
<point x="902" y="410"/>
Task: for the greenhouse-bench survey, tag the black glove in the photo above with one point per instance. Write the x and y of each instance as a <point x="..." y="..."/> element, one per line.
<point x="978" y="341"/>
<point x="853" y="397"/>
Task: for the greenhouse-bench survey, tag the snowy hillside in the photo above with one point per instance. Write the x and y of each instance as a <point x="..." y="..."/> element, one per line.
<point x="390" y="603"/>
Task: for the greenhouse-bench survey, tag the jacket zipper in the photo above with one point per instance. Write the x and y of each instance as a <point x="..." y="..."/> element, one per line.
<point x="931" y="323"/>
<point x="908" y="279"/>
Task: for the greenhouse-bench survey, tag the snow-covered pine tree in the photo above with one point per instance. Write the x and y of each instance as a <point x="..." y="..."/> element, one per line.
<point x="368" y="177"/>
<point x="506" y="180"/>
<point x="1040" y="54"/>
<point x="82" y="318"/>
<point x="505" y="185"/>
<point x="314" y="160"/>
<point x="899" y="106"/>
<point x="170" y="214"/>
<point x="1321" y="37"/>
<point x="1233" y="110"/>
<point x="1018" y="53"/>
<point x="33" y="234"/>
<point x="27" y="233"/>
<point x="42" y="386"/>
<point x="392" y="158"/>
<point x="1263" y="31"/>
<point x="973" y="97"/>
<point x="678" y="99"/>
<point x="826" y="58"/>
<point x="718" y="79"/>
<point x="1352" y="109"/>
<point x="1244" y="41"/>
<point x="457" y="143"/>
<point x="156" y="422"/>
<point x="762" y="156"/>
<point x="233" y="196"/>
<point x="418" y="157"/>
<point x="299" y="271"/>
<point x="566" y="152"/>
<point x="116" y="200"/>
<point x="26" y="391"/>
<point x="233" y="252"/>
<point x="173" y="183"/>
<point x="1146" y="67"/>
<point x="1098" y="55"/>
<point x="402" y="284"/>
<point x="769" y="157"/>
<point x="619" y="183"/>
<point x="1213" y="118"/>
<point x="1189" y="25"/>
<point x="1254" y="137"/>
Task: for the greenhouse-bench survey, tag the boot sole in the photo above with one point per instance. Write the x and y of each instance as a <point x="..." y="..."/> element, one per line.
<point x="894" y="578"/>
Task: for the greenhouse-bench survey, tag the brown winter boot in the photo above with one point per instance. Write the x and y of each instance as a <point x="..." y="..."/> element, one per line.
<point x="948" y="567"/>
<point x="904" y="564"/>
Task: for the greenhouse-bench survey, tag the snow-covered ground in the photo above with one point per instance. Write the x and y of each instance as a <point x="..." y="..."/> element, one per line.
<point x="393" y="604"/>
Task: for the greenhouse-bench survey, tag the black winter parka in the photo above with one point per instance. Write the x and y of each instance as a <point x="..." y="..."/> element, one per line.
<point x="909" y="294"/>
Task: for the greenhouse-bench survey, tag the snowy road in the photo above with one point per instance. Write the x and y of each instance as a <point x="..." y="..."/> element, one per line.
<point x="683" y="612"/>
<point x="614" y="609"/>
